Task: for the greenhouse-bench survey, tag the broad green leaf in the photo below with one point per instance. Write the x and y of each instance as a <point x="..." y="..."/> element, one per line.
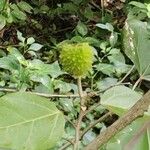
<point x="35" y="47"/>
<point x="72" y="8"/>
<point x="65" y="87"/>
<point x="93" y="41"/>
<point x="138" y="4"/>
<point x="14" y="52"/>
<point x="44" y="8"/>
<point x="106" y="83"/>
<point x="82" y="29"/>
<point x="46" y="81"/>
<point x="2" y="4"/>
<point x="106" y="26"/>
<point x="121" y="140"/>
<point x="113" y="39"/>
<point x="41" y="78"/>
<point x="10" y="63"/>
<point x="118" y="60"/>
<point x="107" y="69"/>
<point x="17" y="13"/>
<point x="45" y="89"/>
<point x="116" y="57"/>
<point x="38" y="67"/>
<point x="136" y="43"/>
<point x="88" y="13"/>
<point x="24" y="6"/>
<point x="67" y="104"/>
<point x="119" y="99"/>
<point x="77" y="39"/>
<point x="2" y="22"/>
<point x="29" y="122"/>
<point x="55" y="70"/>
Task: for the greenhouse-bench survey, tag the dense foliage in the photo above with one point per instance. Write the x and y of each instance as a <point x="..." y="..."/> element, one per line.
<point x="45" y="45"/>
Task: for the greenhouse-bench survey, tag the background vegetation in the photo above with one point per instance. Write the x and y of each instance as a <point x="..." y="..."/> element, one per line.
<point x="31" y="35"/>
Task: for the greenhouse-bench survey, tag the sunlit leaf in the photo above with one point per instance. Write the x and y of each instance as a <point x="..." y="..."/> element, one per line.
<point x="136" y="43"/>
<point x="123" y="137"/>
<point x="28" y="122"/>
<point x="35" y="46"/>
<point x="119" y="99"/>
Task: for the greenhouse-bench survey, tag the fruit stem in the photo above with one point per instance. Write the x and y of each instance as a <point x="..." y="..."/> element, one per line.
<point x="81" y="115"/>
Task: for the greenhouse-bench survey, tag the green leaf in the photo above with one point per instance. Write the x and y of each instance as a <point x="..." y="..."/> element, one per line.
<point x="10" y="63"/>
<point x="30" y="40"/>
<point x="106" y="83"/>
<point x="44" y="89"/>
<point x="77" y="39"/>
<point x="41" y="78"/>
<point x="16" y="13"/>
<point x="65" y="87"/>
<point x="88" y="13"/>
<point x="2" y="4"/>
<point x="93" y="41"/>
<point x="14" y="52"/>
<point x="136" y="45"/>
<point x="119" y="99"/>
<point x="81" y="28"/>
<point x="54" y="70"/>
<point x="2" y="22"/>
<point x="107" y="69"/>
<point x="122" y="138"/>
<point x="35" y="47"/>
<point x="106" y="26"/>
<point x="20" y="36"/>
<point x="67" y="104"/>
<point x="138" y="4"/>
<point x="28" y="121"/>
<point x="113" y="39"/>
<point x="39" y="67"/>
<point x="24" y="6"/>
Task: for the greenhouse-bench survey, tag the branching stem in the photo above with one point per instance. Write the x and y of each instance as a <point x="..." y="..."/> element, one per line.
<point x="81" y="114"/>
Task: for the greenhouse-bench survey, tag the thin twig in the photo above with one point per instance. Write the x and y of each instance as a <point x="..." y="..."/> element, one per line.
<point x="42" y="94"/>
<point x="96" y="122"/>
<point x="65" y="146"/>
<point x="128" y="73"/>
<point x="117" y="84"/>
<point x="86" y="130"/>
<point x="55" y="95"/>
<point x="92" y="108"/>
<point x="91" y="94"/>
<point x="141" y="78"/>
<point x="136" y="83"/>
<point x="94" y="5"/>
<point x="68" y="140"/>
<point x="70" y="122"/>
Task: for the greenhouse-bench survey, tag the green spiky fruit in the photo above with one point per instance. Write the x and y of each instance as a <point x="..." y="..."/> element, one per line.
<point x="76" y="59"/>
